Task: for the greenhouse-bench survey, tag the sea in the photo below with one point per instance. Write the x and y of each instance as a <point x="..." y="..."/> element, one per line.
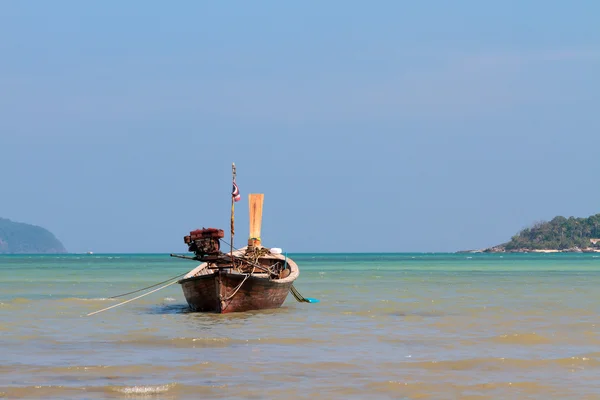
<point x="387" y="326"/>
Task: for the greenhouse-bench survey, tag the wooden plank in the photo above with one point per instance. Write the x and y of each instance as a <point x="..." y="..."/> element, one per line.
<point x="255" y="202"/>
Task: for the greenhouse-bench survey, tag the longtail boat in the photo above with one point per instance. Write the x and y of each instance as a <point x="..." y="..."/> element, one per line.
<point x="251" y="278"/>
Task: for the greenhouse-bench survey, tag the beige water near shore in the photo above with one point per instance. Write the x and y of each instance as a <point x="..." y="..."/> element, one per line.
<point x="403" y="326"/>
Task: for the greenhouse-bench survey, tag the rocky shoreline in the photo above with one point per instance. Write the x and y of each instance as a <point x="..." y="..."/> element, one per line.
<point x="500" y="249"/>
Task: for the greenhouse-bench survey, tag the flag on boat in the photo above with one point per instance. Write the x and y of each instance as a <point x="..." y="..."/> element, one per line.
<point x="236" y="192"/>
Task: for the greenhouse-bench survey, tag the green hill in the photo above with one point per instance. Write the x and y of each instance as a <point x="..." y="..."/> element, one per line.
<point x="20" y="238"/>
<point x="563" y="234"/>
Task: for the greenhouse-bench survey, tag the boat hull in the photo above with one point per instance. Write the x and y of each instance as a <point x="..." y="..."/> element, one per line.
<point x="223" y="292"/>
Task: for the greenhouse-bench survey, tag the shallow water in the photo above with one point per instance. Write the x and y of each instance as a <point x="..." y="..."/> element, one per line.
<point x="398" y="326"/>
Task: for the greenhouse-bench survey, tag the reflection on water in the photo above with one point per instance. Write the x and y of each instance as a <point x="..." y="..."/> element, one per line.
<point x="168" y="309"/>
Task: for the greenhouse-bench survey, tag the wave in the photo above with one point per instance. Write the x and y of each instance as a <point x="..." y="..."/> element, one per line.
<point x="144" y="390"/>
<point x="20" y="300"/>
<point x="522" y="338"/>
<point x="497" y="364"/>
<point x="387" y="310"/>
<point x="41" y="392"/>
<point x="92" y="372"/>
<point x="443" y="379"/>
<point x="212" y="342"/>
<point x="63" y="392"/>
<point x="83" y="299"/>
<point x="452" y="390"/>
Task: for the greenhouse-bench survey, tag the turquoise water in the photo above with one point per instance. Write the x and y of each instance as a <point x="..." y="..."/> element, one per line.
<point x="441" y="326"/>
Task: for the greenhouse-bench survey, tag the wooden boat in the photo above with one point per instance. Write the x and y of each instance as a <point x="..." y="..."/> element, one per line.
<point x="217" y="286"/>
<point x="251" y="278"/>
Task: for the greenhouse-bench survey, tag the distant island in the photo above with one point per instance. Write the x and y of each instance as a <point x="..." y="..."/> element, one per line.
<point x="20" y="238"/>
<point x="558" y="235"/>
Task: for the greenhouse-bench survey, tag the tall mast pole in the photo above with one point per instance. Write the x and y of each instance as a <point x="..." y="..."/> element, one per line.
<point x="233" y="194"/>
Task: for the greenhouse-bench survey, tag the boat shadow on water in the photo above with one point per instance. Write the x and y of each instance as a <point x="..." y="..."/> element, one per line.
<point x="182" y="308"/>
<point x="207" y="321"/>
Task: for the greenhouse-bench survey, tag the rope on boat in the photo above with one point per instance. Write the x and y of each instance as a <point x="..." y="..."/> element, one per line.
<point x="135" y="298"/>
<point x="251" y="259"/>
<point x="238" y="286"/>
<point x="149" y="287"/>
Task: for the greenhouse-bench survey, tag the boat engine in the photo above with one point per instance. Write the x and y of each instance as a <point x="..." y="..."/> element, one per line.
<point x="205" y="241"/>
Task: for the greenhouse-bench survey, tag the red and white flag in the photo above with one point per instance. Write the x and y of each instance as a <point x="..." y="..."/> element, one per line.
<point x="236" y="192"/>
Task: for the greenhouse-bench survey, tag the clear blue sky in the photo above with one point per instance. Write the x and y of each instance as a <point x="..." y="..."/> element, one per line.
<point x="381" y="126"/>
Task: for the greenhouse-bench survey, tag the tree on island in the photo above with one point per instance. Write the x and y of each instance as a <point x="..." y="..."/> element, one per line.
<point x="558" y="234"/>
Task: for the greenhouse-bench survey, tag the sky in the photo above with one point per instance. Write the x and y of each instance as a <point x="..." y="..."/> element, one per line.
<point x="386" y="126"/>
